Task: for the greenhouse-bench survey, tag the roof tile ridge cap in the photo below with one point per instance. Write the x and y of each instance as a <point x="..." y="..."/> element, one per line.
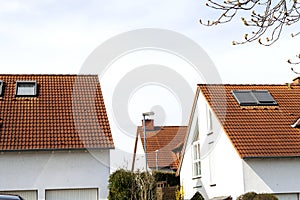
<point x="241" y="84"/>
<point x="175" y="126"/>
<point x="38" y="74"/>
<point x="206" y="84"/>
<point x="86" y="75"/>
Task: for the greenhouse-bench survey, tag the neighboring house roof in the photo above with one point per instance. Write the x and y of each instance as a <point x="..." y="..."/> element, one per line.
<point x="168" y="140"/>
<point x="68" y="112"/>
<point x="258" y="131"/>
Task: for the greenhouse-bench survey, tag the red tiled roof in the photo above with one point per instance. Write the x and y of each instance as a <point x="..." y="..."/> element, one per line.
<point x="168" y="140"/>
<point x="68" y="113"/>
<point x="258" y="131"/>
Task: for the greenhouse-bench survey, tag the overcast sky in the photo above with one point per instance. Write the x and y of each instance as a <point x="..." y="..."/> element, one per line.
<point x="57" y="36"/>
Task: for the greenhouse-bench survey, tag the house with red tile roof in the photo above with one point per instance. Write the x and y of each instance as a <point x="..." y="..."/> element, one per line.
<point x="55" y="137"/>
<point x="243" y="138"/>
<point x="163" y="146"/>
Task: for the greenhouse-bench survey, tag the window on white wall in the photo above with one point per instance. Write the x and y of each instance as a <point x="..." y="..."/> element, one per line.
<point x="196" y="159"/>
<point x="209" y="120"/>
<point x="196" y="152"/>
<point x="211" y="164"/>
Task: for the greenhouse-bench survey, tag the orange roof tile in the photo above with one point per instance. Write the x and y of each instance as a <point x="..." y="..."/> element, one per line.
<point x="68" y="113"/>
<point x="258" y="131"/>
<point x="168" y="140"/>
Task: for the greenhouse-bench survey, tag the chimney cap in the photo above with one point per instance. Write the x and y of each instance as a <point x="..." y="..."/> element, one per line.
<point x="148" y="113"/>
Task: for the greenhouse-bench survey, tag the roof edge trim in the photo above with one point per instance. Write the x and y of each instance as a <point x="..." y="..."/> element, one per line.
<point x="59" y="149"/>
<point x="267" y="157"/>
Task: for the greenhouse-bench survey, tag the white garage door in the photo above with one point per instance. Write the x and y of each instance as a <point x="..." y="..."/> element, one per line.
<point x="72" y="194"/>
<point x="287" y="196"/>
<point x="27" y="195"/>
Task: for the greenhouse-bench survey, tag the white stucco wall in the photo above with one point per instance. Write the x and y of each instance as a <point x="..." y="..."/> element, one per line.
<point x="140" y="159"/>
<point x="221" y="167"/>
<point x="279" y="176"/>
<point x="224" y="173"/>
<point x="190" y="185"/>
<point x="228" y="173"/>
<point x="55" y="170"/>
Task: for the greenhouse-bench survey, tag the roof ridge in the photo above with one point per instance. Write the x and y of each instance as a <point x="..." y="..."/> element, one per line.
<point x="48" y="74"/>
<point x="168" y="126"/>
<point x="237" y="84"/>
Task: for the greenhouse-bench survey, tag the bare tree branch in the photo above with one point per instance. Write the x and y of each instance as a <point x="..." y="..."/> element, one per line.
<point x="266" y="17"/>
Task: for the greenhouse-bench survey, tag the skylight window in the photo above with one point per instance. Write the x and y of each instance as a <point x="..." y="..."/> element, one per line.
<point x="26" y="89"/>
<point x="254" y="98"/>
<point x="1" y="88"/>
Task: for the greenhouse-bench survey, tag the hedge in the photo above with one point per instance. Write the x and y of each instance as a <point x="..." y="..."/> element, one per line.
<point x="125" y="185"/>
<point x="255" y="196"/>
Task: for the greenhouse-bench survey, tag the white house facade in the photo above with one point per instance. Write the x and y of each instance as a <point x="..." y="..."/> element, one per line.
<point x="55" y="175"/>
<point x="55" y="138"/>
<point x="276" y="175"/>
<point x="232" y="149"/>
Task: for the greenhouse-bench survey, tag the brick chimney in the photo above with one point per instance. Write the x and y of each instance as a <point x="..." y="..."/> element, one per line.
<point x="296" y="81"/>
<point x="149" y="124"/>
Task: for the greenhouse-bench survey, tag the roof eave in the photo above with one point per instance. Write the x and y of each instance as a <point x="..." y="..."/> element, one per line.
<point x="269" y="157"/>
<point x="56" y="149"/>
<point x="188" y="129"/>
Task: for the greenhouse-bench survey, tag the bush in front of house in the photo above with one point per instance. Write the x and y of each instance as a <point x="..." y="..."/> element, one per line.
<point x="197" y="196"/>
<point x="144" y="186"/>
<point x="265" y="197"/>
<point x="255" y="196"/>
<point x="120" y="185"/>
<point x="125" y="185"/>
<point x="247" y="196"/>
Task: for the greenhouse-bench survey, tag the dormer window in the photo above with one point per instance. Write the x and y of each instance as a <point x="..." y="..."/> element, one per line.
<point x="26" y="89"/>
<point x="1" y="88"/>
<point x="254" y="98"/>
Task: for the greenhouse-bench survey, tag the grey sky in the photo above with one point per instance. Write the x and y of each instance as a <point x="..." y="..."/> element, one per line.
<point x="52" y="36"/>
<point x="57" y="36"/>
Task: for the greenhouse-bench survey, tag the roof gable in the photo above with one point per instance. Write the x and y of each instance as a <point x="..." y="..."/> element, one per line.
<point x="68" y="112"/>
<point x="168" y="140"/>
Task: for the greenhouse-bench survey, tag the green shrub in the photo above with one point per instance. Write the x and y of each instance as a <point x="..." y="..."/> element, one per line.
<point x="265" y="197"/>
<point x="125" y="185"/>
<point x="144" y="186"/>
<point x="254" y="196"/>
<point x="197" y="196"/>
<point x="247" y="196"/>
<point x="120" y="185"/>
<point x="180" y="193"/>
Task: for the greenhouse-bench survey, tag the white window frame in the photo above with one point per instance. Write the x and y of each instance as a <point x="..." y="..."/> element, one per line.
<point x="34" y="85"/>
<point x="196" y="165"/>
<point x="209" y="120"/>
